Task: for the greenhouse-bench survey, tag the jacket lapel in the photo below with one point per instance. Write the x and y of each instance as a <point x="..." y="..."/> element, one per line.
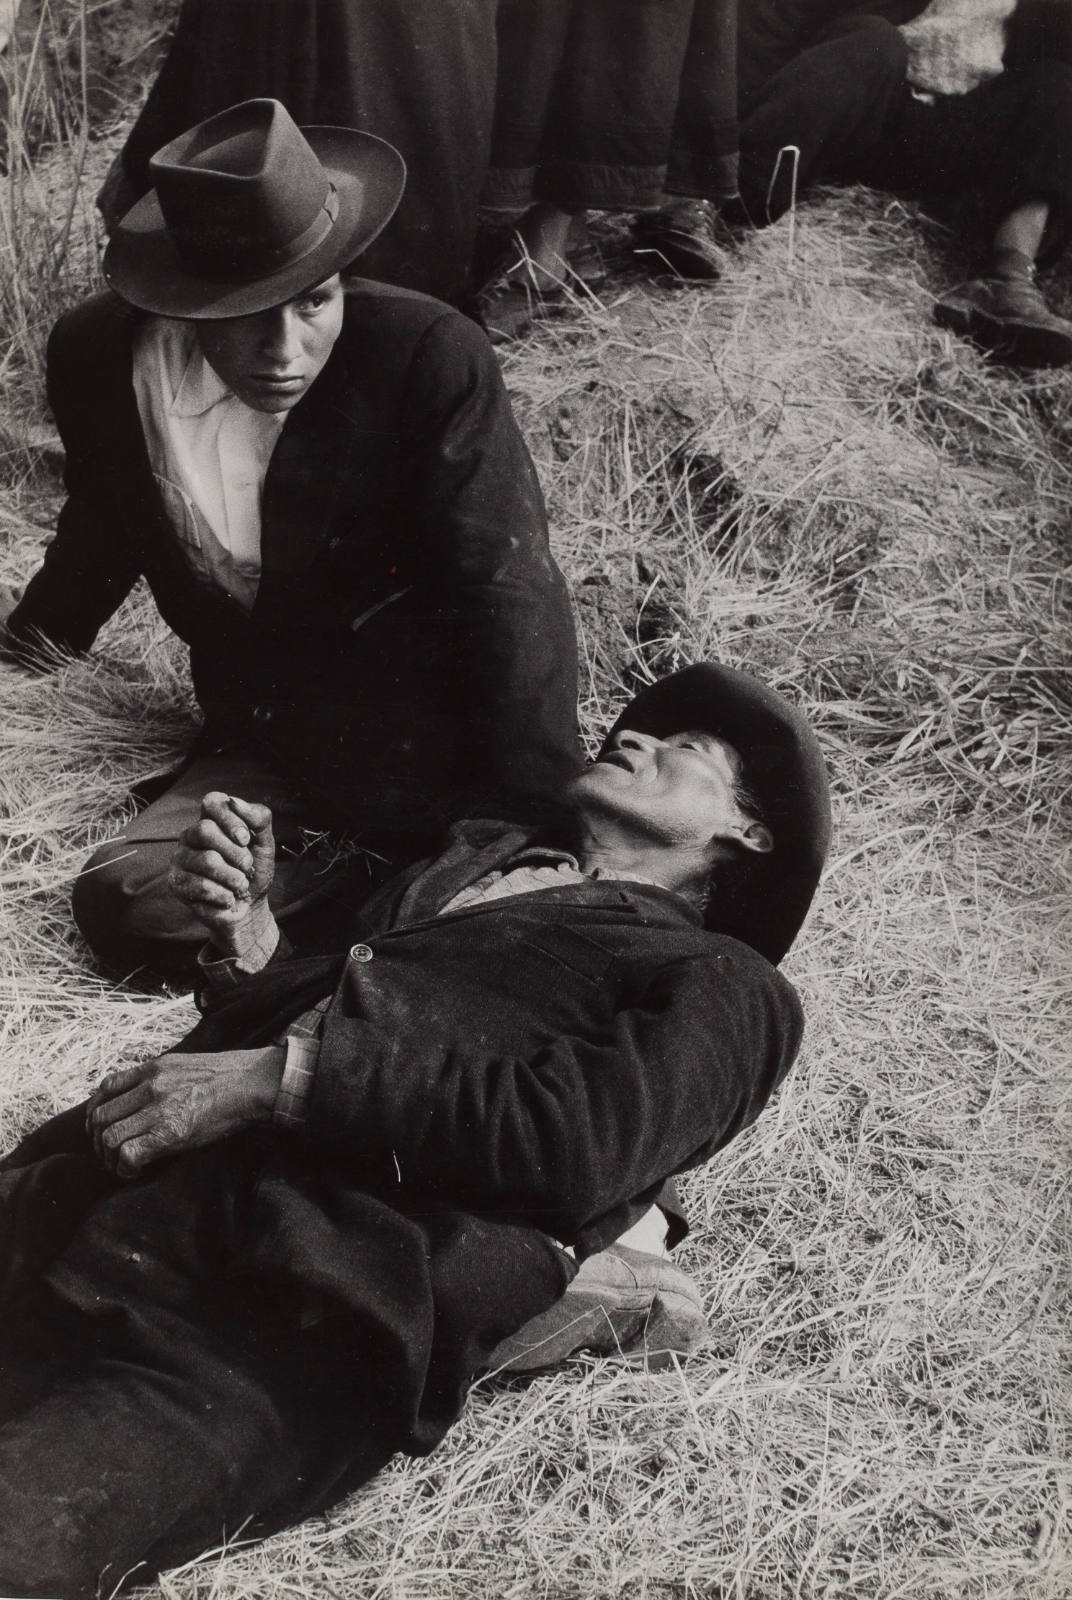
<point x="470" y="854"/>
<point x="309" y="466"/>
<point x="475" y="850"/>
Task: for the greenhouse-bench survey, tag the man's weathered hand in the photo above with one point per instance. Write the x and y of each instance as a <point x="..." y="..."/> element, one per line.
<point x="223" y="870"/>
<point x="177" y="1102"/>
<point x="225" y="862"/>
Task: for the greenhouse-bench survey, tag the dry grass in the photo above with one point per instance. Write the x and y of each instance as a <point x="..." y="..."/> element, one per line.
<point x="794" y="472"/>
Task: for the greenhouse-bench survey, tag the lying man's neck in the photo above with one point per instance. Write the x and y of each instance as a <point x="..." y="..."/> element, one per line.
<point x="614" y="853"/>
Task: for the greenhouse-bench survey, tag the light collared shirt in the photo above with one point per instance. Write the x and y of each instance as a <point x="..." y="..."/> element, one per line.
<point x="209" y="453"/>
<point x="537" y="867"/>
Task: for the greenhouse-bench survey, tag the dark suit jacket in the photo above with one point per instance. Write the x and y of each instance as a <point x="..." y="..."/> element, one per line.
<point x="411" y="635"/>
<point x="490" y="1081"/>
<point x="549" y="1058"/>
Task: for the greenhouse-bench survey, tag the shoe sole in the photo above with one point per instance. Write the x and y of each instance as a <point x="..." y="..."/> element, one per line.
<point x="1021" y="344"/>
<point x="612" y="1312"/>
<point x="692" y="265"/>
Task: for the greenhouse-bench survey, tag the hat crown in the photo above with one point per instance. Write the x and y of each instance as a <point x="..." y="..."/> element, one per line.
<point x="243" y="193"/>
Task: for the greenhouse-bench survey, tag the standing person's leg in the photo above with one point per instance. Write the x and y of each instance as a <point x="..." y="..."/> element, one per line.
<point x="702" y="170"/>
<point x="531" y="43"/>
<point x="421" y="74"/>
<point x="832" y="102"/>
<point x="121" y="900"/>
<point x="532" y="40"/>
<point x="585" y="105"/>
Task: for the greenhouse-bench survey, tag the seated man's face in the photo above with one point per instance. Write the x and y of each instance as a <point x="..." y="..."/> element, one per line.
<point x="679" y="790"/>
<point x="271" y="359"/>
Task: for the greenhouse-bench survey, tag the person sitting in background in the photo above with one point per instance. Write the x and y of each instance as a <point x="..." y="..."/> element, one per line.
<point x="247" y="1272"/>
<point x="333" y="507"/>
<point x="830" y="79"/>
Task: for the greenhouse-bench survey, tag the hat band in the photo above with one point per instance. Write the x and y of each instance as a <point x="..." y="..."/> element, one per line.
<point x="229" y="265"/>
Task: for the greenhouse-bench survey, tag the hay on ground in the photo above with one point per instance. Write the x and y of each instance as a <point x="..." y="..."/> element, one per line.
<point x="795" y="472"/>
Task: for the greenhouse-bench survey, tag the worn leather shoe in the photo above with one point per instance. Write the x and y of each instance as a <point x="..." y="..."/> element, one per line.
<point x="1009" y="317"/>
<point x="679" y="238"/>
<point x="622" y="1302"/>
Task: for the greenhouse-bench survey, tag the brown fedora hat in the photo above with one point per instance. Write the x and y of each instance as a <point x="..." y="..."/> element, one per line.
<point x="759" y="899"/>
<point x="249" y="210"/>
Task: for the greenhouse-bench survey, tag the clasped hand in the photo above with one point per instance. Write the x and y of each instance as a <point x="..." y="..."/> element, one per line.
<point x="222" y="870"/>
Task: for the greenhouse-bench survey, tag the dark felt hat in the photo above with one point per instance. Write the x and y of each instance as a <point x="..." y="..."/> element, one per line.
<point x="248" y="210"/>
<point x="760" y="899"/>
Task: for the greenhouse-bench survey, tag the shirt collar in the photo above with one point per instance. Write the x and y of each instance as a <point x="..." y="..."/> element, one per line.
<point x="535" y="855"/>
<point x="200" y="387"/>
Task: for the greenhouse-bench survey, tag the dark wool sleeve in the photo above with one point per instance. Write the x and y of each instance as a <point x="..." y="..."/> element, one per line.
<point x="582" y="1122"/>
<point x="89" y="568"/>
<point x="488" y="567"/>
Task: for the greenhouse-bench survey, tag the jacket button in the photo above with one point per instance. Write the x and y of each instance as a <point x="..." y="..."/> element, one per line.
<point x="360" y="952"/>
<point x="263" y="713"/>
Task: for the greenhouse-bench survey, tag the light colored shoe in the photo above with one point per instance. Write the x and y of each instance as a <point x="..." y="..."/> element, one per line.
<point x="1009" y="317"/>
<point x="622" y="1302"/>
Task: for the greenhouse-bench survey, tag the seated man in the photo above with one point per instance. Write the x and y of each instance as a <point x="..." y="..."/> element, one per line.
<point x="830" y="78"/>
<point x="247" y="1272"/>
<point x="332" y="505"/>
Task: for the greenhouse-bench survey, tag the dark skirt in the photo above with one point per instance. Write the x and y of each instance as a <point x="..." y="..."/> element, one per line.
<point x="610" y="103"/>
<point x="420" y="73"/>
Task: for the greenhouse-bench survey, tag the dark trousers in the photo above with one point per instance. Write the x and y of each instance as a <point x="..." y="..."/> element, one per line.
<point x="844" y="101"/>
<point x="225" y="1345"/>
<point x="833" y="101"/>
<point x="1007" y="142"/>
<point x="152" y="1404"/>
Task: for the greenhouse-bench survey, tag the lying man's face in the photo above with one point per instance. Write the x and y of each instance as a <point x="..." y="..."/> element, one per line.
<point x="272" y="359"/>
<point x="678" y="790"/>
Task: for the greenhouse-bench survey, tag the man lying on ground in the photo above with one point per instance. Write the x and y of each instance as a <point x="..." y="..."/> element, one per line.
<point x="247" y="1272"/>
<point x="332" y="505"/>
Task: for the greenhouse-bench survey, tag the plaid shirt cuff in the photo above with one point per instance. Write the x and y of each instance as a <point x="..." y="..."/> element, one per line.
<point x="299" y="1071"/>
<point x="218" y="976"/>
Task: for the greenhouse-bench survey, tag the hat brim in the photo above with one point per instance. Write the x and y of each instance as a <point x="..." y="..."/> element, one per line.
<point x="760" y="899"/>
<point x="142" y="265"/>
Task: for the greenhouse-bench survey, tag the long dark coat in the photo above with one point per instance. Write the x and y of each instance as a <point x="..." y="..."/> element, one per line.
<point x="420" y="73"/>
<point x="411" y="641"/>
<point x="490" y="1081"/>
<point x="610" y="103"/>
